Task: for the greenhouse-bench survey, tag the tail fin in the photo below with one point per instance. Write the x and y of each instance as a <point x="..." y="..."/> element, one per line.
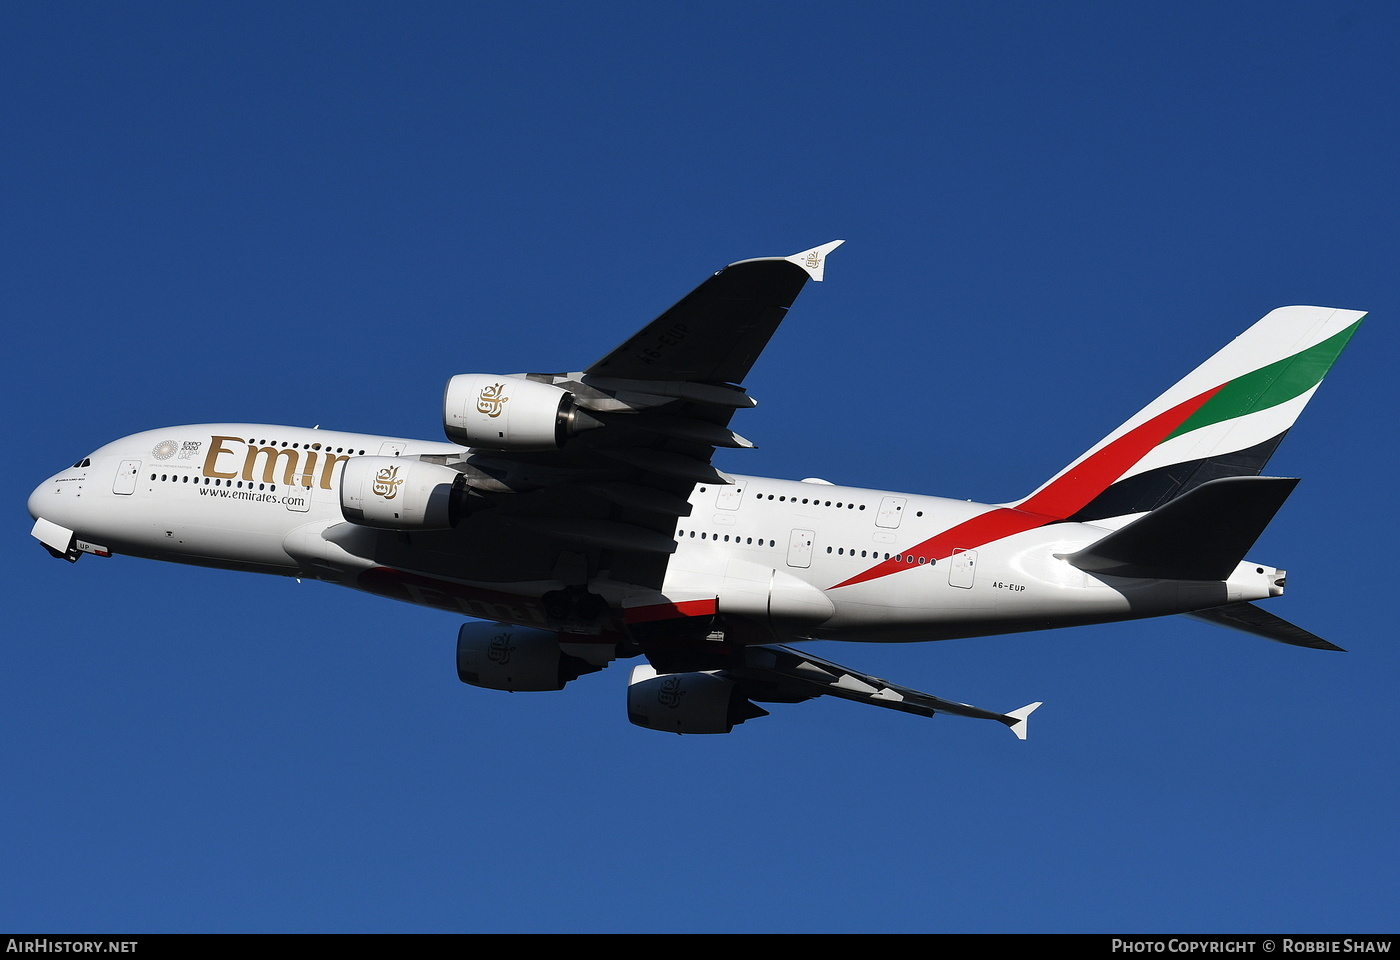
<point x="1224" y="419"/>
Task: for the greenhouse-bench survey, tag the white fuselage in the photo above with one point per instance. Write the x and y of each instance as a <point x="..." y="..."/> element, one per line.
<point x="807" y="559"/>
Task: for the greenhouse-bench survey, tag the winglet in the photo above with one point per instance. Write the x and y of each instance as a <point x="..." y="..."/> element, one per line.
<point x="814" y="260"/>
<point x="1019" y="716"/>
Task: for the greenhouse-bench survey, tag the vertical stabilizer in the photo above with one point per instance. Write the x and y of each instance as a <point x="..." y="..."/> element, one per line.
<point x="1223" y="419"/>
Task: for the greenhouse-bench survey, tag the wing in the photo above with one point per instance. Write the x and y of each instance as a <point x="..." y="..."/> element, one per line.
<point x="776" y="674"/>
<point x="601" y="510"/>
<point x="715" y="334"/>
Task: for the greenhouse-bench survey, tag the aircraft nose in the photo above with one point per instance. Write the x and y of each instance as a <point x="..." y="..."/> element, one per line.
<point x="50" y="501"/>
<point x="39" y="498"/>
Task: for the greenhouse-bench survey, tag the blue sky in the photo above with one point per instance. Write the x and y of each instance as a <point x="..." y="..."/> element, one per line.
<point x="317" y="213"/>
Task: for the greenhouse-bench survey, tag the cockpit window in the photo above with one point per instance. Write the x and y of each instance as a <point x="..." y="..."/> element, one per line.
<point x="85" y="462"/>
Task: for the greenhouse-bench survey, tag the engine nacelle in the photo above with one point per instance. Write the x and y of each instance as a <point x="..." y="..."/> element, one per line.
<point x="399" y="493"/>
<point x="686" y="702"/>
<point x="510" y="413"/>
<point x="502" y="657"/>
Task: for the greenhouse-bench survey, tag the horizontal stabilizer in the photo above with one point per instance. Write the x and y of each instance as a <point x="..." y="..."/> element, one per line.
<point x="1250" y="619"/>
<point x="1201" y="535"/>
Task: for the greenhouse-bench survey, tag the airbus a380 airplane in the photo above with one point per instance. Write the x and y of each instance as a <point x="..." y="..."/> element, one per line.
<point x="579" y="514"/>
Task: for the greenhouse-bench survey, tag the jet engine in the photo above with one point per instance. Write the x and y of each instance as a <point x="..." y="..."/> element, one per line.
<point x="510" y="413"/>
<point x="400" y="493"/>
<point x="502" y="657"/>
<point x="687" y="702"/>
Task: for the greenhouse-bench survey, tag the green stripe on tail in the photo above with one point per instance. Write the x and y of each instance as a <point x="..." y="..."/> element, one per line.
<point x="1271" y="385"/>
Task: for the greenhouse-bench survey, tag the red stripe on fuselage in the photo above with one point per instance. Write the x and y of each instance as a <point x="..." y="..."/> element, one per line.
<point x="1062" y="497"/>
<point x="669" y="611"/>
